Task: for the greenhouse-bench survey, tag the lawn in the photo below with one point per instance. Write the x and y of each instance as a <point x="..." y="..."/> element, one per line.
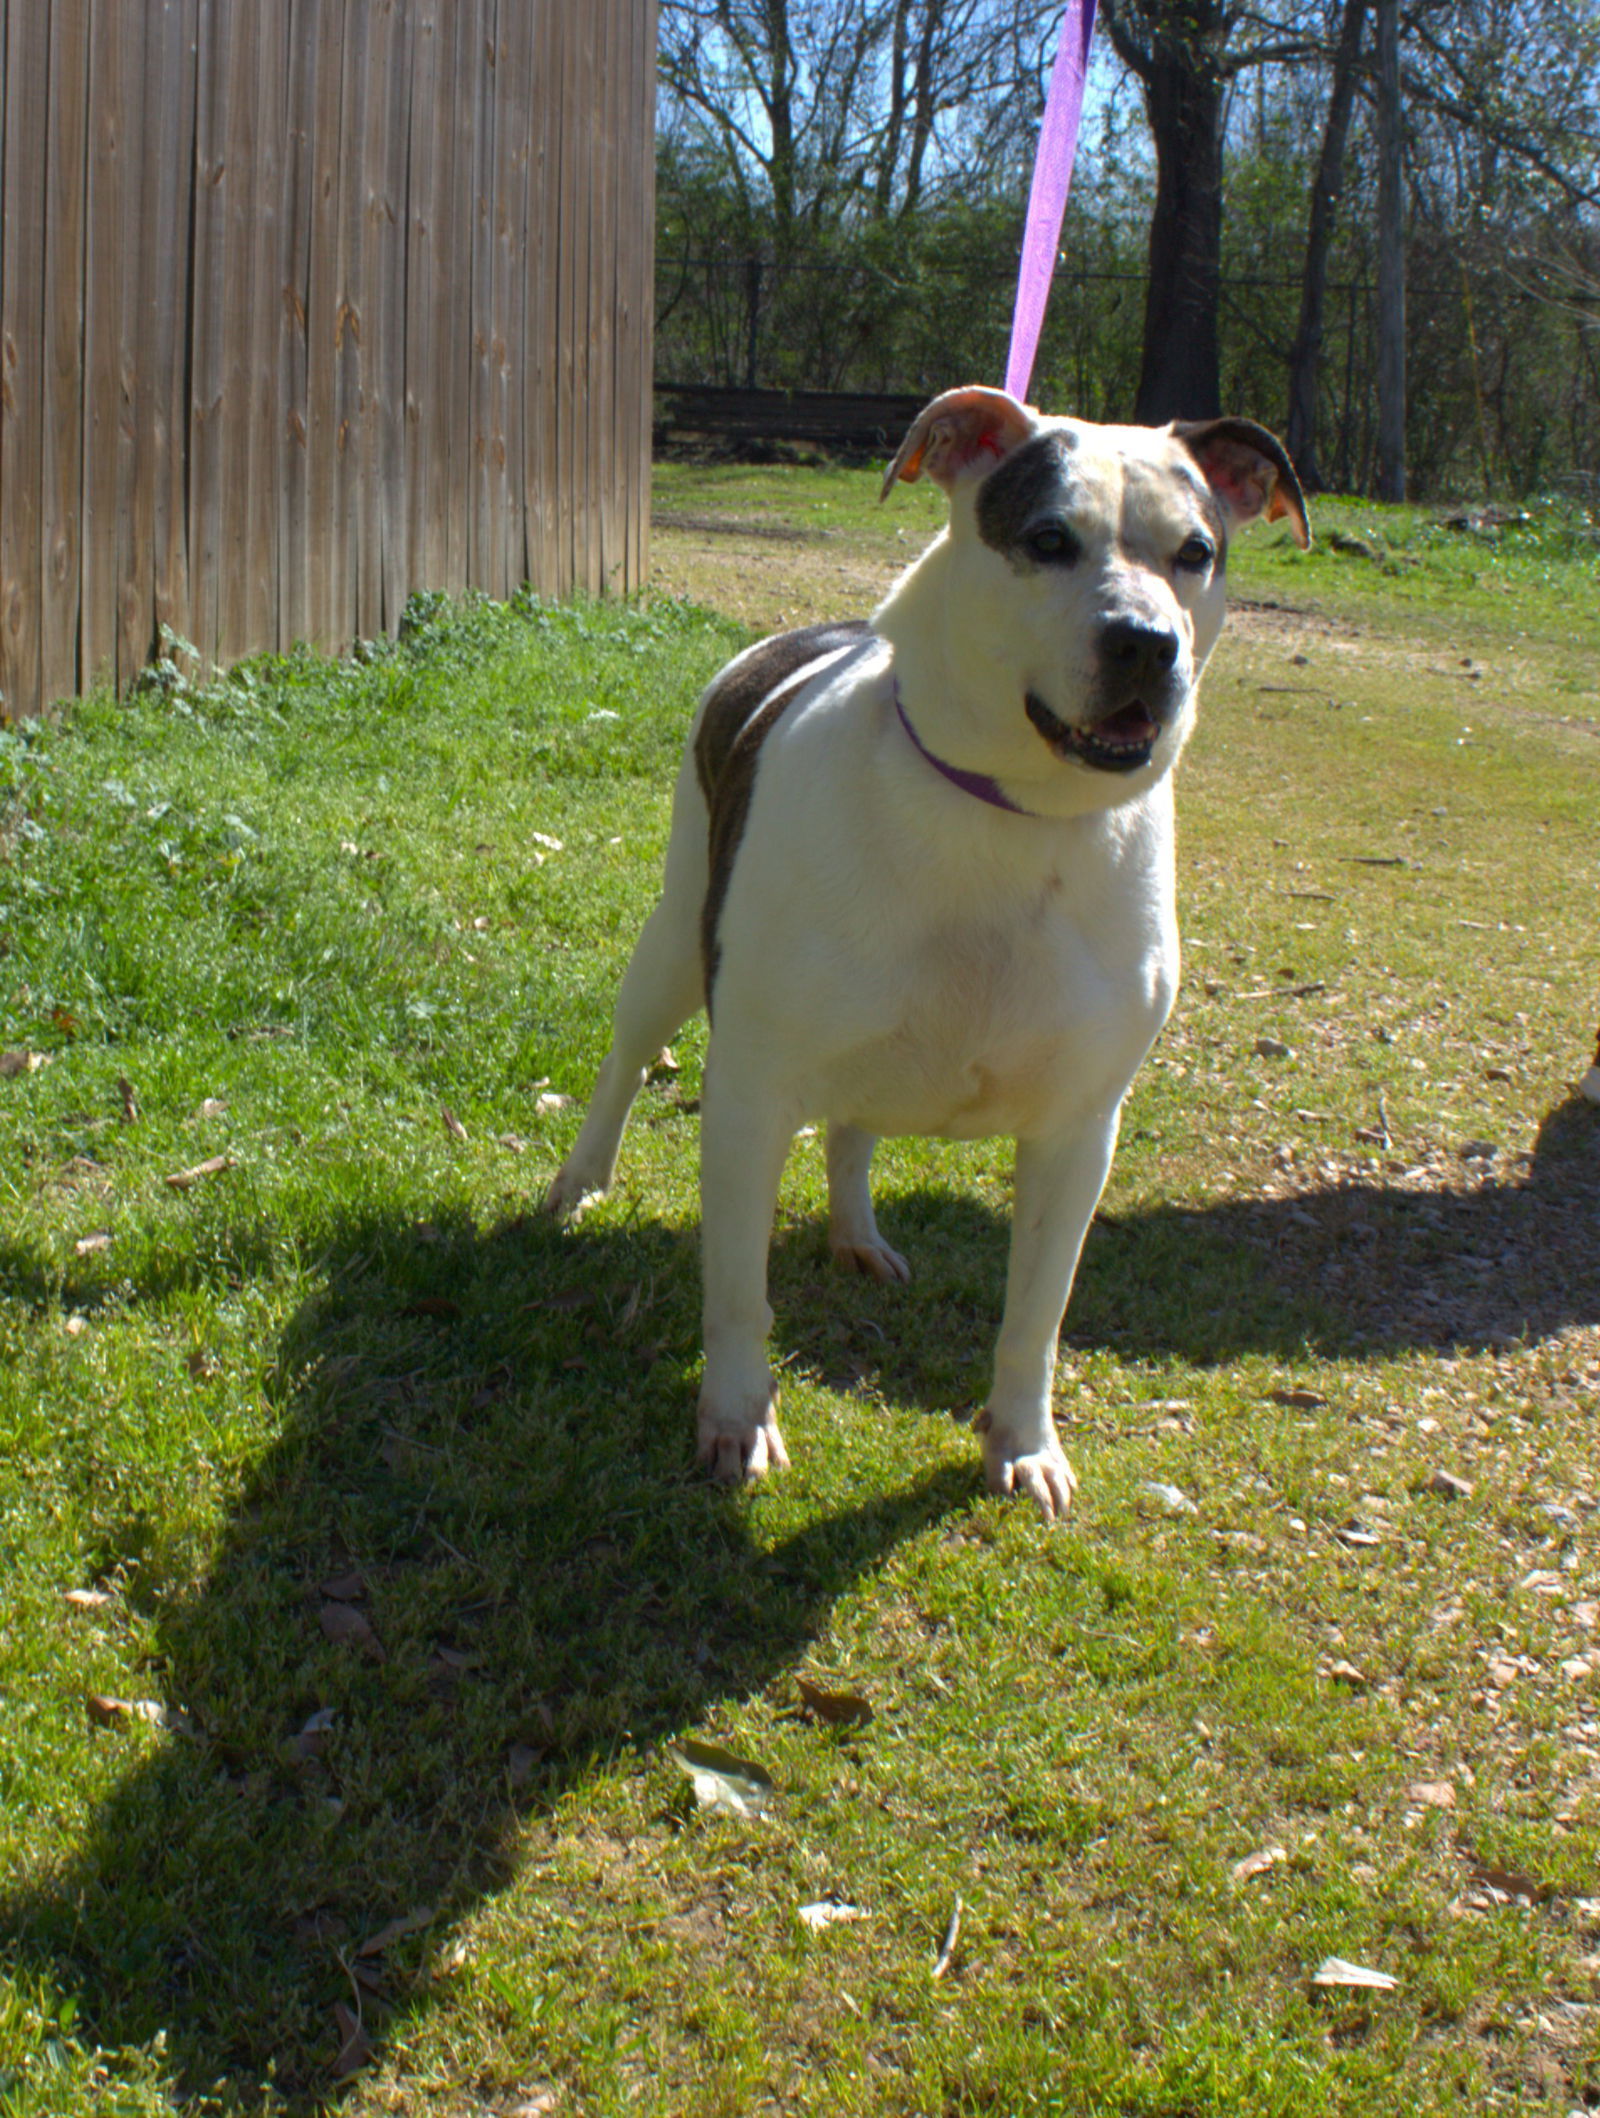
<point x="361" y="1588"/>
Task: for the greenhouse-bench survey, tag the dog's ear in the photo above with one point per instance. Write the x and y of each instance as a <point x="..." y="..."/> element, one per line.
<point x="962" y="430"/>
<point x="1249" y="471"/>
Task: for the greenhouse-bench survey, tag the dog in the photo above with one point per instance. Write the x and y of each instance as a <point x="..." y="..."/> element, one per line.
<point x="921" y="876"/>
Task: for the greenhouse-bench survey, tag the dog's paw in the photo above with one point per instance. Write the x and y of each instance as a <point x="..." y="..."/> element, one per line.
<point x="737" y="1443"/>
<point x="570" y="1191"/>
<point x="1042" y="1474"/>
<point x="874" y="1258"/>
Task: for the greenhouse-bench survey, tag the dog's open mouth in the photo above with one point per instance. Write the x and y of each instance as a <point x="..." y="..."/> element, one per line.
<point x="1122" y="742"/>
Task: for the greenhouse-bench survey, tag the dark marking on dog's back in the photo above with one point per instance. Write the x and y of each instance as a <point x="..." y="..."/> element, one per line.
<point x="741" y="707"/>
<point x="1018" y="489"/>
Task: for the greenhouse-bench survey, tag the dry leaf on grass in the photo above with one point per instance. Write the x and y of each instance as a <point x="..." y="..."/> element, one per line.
<point x="182" y="1179"/>
<point x="212" y="1107"/>
<point x="549" y="1100"/>
<point x="1334" y="1971"/>
<point x="308" y="1743"/>
<point x="840" y="1709"/>
<point x="106" y="1712"/>
<point x="452" y="1124"/>
<point x="1433" y="1794"/>
<point x="828" y="1912"/>
<point x="1255" y="1864"/>
<point x="1299" y="1400"/>
<point x="86" y="1246"/>
<point x="345" y="1588"/>
<point x="130" y="1101"/>
<point x="355" y="2046"/>
<point x="88" y="1599"/>
<point x="347" y="1626"/>
<point x="1347" y="1673"/>
<point x="14" y="1063"/>
<point x="721" y="1780"/>
<point x="407" y="1923"/>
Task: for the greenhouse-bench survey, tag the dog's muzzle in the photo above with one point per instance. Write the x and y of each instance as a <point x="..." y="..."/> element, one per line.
<point x="1138" y="660"/>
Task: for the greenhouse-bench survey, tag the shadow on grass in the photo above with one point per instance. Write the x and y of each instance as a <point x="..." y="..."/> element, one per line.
<point x="484" y="1448"/>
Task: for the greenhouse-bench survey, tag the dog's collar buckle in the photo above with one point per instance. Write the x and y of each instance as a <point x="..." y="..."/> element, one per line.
<point x="980" y="784"/>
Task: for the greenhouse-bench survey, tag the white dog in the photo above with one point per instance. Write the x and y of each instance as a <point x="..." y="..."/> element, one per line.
<point x="921" y="876"/>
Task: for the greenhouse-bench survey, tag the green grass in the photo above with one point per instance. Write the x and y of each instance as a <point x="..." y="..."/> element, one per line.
<point x="303" y="915"/>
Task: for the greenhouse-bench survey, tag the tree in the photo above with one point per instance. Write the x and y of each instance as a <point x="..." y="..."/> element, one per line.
<point x="1305" y="355"/>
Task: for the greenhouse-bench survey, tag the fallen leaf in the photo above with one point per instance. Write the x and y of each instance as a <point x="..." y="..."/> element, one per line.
<point x="212" y="1107"/>
<point x="408" y="1923"/>
<point x="88" y="1599"/>
<point x="345" y="1588"/>
<point x="1255" y="1864"/>
<point x="947" y="1949"/>
<point x="1173" y="1498"/>
<point x="181" y="1179"/>
<point x="513" y="1143"/>
<point x="549" y="1100"/>
<point x="202" y="1365"/>
<point x="343" y="1623"/>
<point x="520" y="1761"/>
<point x="438" y="1306"/>
<point x="86" y="1246"/>
<point x="1335" y="1971"/>
<point x="106" y="1712"/>
<point x="75" y="1326"/>
<point x="1512" y="1882"/>
<point x="308" y="1743"/>
<point x="1357" y="1537"/>
<point x="1347" y="1673"/>
<point x="65" y="1021"/>
<point x="840" y="1709"/>
<point x="1434" y="1794"/>
<point x="1299" y="1400"/>
<point x="130" y="1101"/>
<point x="1272" y="1048"/>
<point x="355" y="2046"/>
<point x="452" y="1124"/>
<point x="828" y="1912"/>
<point x="723" y="1781"/>
<point x="14" y="1063"/>
<point x="543" y="838"/>
<point x="1448" y="1486"/>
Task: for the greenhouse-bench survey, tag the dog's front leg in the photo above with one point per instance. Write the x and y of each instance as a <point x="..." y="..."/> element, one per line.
<point x="744" y="1138"/>
<point x="1058" y="1183"/>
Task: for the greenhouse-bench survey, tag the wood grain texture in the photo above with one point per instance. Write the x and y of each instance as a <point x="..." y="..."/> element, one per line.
<point x="306" y="304"/>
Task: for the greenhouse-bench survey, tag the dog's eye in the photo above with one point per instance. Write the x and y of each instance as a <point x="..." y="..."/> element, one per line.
<point x="1193" y="556"/>
<point x="1055" y="542"/>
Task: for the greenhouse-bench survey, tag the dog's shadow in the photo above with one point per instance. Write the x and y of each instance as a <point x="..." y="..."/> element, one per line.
<point x="476" y="1562"/>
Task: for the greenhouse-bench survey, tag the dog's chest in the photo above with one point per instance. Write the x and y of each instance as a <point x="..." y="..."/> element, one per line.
<point x="992" y="1028"/>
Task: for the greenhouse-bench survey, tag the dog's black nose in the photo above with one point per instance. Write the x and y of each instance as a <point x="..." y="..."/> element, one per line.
<point x="1137" y="649"/>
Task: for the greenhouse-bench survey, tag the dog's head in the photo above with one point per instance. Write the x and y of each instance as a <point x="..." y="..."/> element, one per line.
<point x="1079" y="588"/>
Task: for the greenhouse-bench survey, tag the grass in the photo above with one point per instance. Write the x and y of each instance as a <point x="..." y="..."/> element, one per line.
<point x="376" y="1491"/>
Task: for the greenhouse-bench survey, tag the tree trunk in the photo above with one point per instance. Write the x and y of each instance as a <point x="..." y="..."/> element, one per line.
<point x="1391" y="481"/>
<point x="1305" y="356"/>
<point x="1175" y="51"/>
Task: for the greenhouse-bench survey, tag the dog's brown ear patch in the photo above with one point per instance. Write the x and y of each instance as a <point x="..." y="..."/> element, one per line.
<point x="967" y="429"/>
<point x="1249" y="470"/>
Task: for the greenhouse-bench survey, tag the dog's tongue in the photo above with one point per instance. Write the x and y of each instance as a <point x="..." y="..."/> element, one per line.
<point x="1130" y="724"/>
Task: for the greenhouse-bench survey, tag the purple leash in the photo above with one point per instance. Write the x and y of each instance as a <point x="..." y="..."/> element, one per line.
<point x="1047" y="196"/>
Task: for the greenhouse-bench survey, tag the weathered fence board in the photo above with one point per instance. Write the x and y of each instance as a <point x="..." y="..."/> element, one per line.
<point x="305" y="304"/>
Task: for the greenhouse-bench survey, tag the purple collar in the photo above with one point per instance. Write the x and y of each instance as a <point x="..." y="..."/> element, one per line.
<point x="978" y="783"/>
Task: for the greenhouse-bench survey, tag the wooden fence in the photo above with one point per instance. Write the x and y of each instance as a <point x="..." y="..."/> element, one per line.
<point x="308" y="303"/>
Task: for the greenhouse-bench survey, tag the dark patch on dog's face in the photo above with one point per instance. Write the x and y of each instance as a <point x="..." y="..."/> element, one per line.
<point x="1019" y="491"/>
<point x="742" y="706"/>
